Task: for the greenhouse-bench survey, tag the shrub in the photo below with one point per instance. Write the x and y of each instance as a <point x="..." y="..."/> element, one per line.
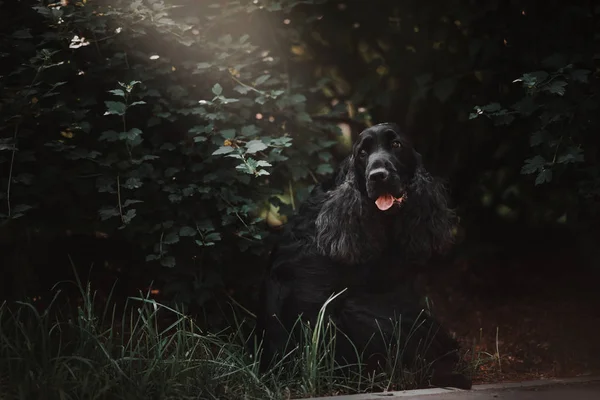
<point x="168" y="126"/>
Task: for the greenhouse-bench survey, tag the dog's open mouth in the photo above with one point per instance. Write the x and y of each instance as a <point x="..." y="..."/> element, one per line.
<point x="386" y="201"/>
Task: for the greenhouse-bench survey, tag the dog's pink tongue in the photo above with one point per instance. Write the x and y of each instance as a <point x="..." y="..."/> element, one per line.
<point x="384" y="202"/>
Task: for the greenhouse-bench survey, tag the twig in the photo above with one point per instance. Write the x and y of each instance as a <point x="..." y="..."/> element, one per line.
<point x="556" y="151"/>
<point x="234" y="301"/>
<point x="119" y="199"/>
<point x="10" y="171"/>
<point x="245" y="85"/>
<point x="291" y="189"/>
<point x="14" y="150"/>
<point x="314" y="177"/>
<point x="236" y="213"/>
<point x="498" y="349"/>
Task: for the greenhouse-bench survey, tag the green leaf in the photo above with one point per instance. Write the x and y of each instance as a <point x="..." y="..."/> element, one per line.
<point x="214" y="237"/>
<point x="245" y="168"/>
<point x="115" y="108"/>
<point x="491" y="108"/>
<point x="171" y="238"/>
<point x="217" y="89"/>
<point x="324" y="169"/>
<point x="544" y="176"/>
<point x="167" y="147"/>
<point x="503" y="119"/>
<point x="538" y="138"/>
<point x="573" y="155"/>
<point x="263" y="163"/>
<point x="117" y="92"/>
<point x="526" y="106"/>
<point x="205" y="225"/>
<point x="106" y="213"/>
<point x="131" y="135"/>
<point x="168" y="224"/>
<point x="255" y="146"/>
<point x="168" y="261"/>
<point x="284" y="141"/>
<point x="224" y="100"/>
<point x="556" y="87"/>
<point x="303" y="117"/>
<point x="250" y="130"/>
<point x="228" y="133"/>
<point x="533" y="78"/>
<point x="129" y="215"/>
<point x="24" y="178"/>
<point x="21" y="208"/>
<point x="242" y="89"/>
<point x="85" y="126"/>
<point x="223" y="150"/>
<point x="533" y="165"/>
<point x="262" y="79"/>
<point x="130" y="202"/>
<point x="132" y="183"/>
<point x="171" y="171"/>
<point x="297" y="98"/>
<point x="175" y="198"/>
<point x="187" y="231"/>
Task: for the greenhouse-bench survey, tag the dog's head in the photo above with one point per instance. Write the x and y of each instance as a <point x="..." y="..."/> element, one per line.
<point x="385" y="164"/>
<point x="386" y="172"/>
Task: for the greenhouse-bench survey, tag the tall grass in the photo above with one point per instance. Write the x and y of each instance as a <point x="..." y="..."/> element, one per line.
<point x="146" y="350"/>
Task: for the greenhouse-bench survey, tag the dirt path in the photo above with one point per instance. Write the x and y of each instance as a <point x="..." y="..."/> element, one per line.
<point x="520" y="321"/>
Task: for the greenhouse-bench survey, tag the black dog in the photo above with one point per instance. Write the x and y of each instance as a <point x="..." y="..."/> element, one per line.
<point x="380" y="213"/>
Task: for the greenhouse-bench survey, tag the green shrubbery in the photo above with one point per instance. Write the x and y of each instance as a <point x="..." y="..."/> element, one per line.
<point x="171" y="127"/>
<point x="183" y="128"/>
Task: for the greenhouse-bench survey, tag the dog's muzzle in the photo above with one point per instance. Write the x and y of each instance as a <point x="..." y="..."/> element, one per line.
<point x="384" y="187"/>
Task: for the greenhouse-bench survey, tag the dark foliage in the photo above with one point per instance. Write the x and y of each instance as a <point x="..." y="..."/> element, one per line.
<point x="382" y="212"/>
<point x="192" y="131"/>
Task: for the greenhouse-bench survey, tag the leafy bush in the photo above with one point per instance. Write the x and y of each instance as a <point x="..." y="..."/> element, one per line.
<point x="169" y="126"/>
<point x="554" y="110"/>
<point x="184" y="128"/>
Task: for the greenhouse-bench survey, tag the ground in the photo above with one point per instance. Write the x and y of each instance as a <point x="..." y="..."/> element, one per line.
<point x="539" y="313"/>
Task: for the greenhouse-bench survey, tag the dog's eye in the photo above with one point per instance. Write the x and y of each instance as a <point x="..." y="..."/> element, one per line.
<point x="396" y="144"/>
<point x="362" y="153"/>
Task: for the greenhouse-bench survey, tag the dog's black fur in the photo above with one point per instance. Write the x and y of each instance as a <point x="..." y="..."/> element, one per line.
<point x="340" y="239"/>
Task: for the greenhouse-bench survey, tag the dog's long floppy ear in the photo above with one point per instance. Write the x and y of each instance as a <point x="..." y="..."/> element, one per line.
<point x="427" y="222"/>
<point x="341" y="225"/>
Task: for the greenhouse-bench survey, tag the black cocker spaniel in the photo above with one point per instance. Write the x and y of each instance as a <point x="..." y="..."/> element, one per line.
<point x="380" y="212"/>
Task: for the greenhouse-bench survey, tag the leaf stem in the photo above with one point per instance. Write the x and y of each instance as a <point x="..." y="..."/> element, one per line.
<point x="10" y="171"/>
<point x="119" y="199"/>
<point x="556" y="151"/>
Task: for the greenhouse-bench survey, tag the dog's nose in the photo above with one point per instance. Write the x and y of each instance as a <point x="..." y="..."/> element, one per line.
<point x="378" y="175"/>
